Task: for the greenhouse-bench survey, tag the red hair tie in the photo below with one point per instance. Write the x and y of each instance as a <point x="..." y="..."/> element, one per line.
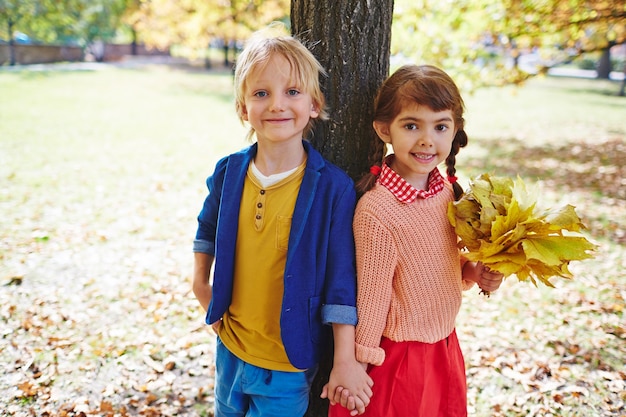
<point x="452" y="179"/>
<point x="375" y="170"/>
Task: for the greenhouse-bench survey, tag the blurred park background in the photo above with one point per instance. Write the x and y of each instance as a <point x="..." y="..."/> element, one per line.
<point x="504" y="40"/>
<point x="102" y="169"/>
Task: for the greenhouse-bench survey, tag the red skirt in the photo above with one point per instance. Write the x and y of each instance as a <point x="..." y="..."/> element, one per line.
<point x="417" y="380"/>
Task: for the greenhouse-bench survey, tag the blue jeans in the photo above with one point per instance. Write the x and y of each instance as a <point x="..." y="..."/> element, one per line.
<point x="242" y="389"/>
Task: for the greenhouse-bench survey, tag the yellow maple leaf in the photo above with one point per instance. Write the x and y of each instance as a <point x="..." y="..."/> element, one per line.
<point x="552" y="250"/>
<point x="565" y="218"/>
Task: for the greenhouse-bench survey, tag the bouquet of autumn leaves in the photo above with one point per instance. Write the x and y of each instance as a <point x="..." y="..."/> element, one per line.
<point x="498" y="222"/>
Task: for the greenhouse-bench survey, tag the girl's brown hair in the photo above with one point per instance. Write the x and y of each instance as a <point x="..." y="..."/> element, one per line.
<point x="424" y="85"/>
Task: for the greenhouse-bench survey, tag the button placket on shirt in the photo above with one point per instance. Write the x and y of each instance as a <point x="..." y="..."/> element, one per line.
<point x="259" y="210"/>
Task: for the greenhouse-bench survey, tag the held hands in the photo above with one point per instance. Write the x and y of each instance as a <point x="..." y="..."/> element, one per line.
<point x="345" y="399"/>
<point x="350" y="386"/>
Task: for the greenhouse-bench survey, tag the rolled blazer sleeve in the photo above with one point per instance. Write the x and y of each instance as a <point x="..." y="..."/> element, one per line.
<point x="207" y="219"/>
<point x="341" y="289"/>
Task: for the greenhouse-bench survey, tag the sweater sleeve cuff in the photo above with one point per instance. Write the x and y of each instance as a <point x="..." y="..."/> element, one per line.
<point x="375" y="356"/>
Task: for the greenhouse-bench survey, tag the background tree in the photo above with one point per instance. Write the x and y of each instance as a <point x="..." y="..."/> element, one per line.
<point x="195" y="24"/>
<point x="13" y="14"/>
<point x="96" y="19"/>
<point x="597" y="26"/>
<point x="40" y="20"/>
<point x="479" y="42"/>
<point x="562" y="31"/>
<point x="351" y="39"/>
<point x="454" y="36"/>
<point x="78" y="22"/>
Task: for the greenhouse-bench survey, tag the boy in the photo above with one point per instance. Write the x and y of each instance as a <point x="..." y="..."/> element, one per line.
<point x="277" y="224"/>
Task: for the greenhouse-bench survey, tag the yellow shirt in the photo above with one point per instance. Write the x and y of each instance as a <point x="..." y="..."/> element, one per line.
<point x="251" y="326"/>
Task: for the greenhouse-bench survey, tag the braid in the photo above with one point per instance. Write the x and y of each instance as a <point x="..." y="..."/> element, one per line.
<point x="460" y="141"/>
<point x="368" y="179"/>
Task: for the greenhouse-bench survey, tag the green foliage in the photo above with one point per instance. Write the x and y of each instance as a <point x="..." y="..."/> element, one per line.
<point x="195" y="23"/>
<point x="62" y="21"/>
<point x="478" y="41"/>
<point x="455" y="35"/>
<point x="15" y="14"/>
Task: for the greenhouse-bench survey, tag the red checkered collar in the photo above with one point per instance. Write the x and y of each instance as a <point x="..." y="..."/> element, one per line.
<point x="404" y="191"/>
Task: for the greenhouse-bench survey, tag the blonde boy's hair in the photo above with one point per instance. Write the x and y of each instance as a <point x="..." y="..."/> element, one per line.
<point x="304" y="68"/>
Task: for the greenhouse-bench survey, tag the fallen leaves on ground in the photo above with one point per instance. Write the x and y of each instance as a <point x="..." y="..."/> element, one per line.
<point x="99" y="320"/>
<point x="549" y="351"/>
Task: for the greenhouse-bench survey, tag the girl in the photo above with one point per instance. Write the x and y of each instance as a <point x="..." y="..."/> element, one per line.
<point x="410" y="272"/>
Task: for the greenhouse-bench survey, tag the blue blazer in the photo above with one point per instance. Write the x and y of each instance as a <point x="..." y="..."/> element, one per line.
<point x="320" y="276"/>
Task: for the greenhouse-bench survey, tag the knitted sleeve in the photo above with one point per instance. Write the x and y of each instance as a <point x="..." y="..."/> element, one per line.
<point x="376" y="257"/>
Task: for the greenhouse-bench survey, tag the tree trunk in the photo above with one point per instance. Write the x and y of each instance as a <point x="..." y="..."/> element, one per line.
<point x="351" y="39"/>
<point x="133" y="44"/>
<point x="604" y="66"/>
<point x="12" y="60"/>
<point x="622" y="88"/>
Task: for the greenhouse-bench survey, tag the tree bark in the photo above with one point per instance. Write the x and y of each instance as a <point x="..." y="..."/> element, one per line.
<point x="133" y="44"/>
<point x="12" y="59"/>
<point x="622" y="88"/>
<point x="351" y="39"/>
<point x="604" y="65"/>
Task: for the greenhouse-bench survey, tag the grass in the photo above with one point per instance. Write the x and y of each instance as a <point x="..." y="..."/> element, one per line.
<point x="95" y="136"/>
<point x="101" y="178"/>
<point x="548" y="111"/>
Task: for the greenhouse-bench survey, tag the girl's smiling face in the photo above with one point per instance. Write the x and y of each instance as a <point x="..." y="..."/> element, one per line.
<point x="275" y="105"/>
<point x="421" y="139"/>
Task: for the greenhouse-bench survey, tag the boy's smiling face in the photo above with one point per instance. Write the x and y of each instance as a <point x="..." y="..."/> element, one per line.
<point x="275" y="105"/>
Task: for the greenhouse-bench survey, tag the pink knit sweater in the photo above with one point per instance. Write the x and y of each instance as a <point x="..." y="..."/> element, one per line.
<point x="408" y="269"/>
